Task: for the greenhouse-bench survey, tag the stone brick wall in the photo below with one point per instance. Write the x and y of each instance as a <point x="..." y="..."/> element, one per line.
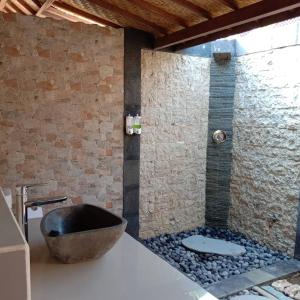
<point x="61" y="108"/>
<point x="175" y="92"/>
<point x="266" y="147"/>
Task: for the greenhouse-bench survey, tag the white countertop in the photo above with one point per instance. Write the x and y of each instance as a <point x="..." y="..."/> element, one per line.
<point x="129" y="271"/>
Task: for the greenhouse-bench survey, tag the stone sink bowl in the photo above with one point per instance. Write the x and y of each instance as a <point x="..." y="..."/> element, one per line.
<point x="81" y="232"/>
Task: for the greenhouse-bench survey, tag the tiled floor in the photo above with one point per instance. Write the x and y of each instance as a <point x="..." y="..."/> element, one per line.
<point x="244" y="281"/>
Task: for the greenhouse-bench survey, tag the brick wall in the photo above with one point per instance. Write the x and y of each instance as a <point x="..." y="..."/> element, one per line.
<point x="266" y="147"/>
<point x="61" y="108"/>
<point x="175" y="92"/>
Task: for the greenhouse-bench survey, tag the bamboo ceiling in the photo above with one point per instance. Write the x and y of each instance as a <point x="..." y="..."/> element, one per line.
<point x="176" y="23"/>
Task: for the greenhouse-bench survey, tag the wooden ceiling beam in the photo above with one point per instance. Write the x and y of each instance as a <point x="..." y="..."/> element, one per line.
<point x="254" y="12"/>
<point x="44" y="7"/>
<point x="229" y="3"/>
<point x="16" y="8"/>
<point x="84" y="15"/>
<point x="128" y="15"/>
<point x="60" y="14"/>
<point x="241" y="28"/>
<point x="53" y="16"/>
<point x="24" y="7"/>
<point x="163" y="13"/>
<point x="34" y="4"/>
<point x="194" y="8"/>
<point x="2" y="4"/>
<point x="10" y="8"/>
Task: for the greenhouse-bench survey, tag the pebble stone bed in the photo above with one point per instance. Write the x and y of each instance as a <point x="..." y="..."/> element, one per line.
<point x="207" y="269"/>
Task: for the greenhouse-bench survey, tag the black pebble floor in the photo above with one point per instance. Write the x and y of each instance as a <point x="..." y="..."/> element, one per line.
<point x="207" y="269"/>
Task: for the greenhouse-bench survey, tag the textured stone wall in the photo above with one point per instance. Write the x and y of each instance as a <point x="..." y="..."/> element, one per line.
<point x="266" y="147"/>
<point x="175" y="92"/>
<point x="61" y="108"/>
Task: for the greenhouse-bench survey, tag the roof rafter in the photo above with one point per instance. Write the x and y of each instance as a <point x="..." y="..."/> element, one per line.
<point x="2" y="4"/>
<point x="195" y="8"/>
<point x="53" y="16"/>
<point x="80" y="14"/>
<point x="244" y="15"/>
<point x="53" y="11"/>
<point x="242" y="28"/>
<point x="24" y="7"/>
<point x="128" y="15"/>
<point x="156" y="9"/>
<point x="10" y="8"/>
<point x="34" y="4"/>
<point x="44" y="7"/>
<point x="230" y="3"/>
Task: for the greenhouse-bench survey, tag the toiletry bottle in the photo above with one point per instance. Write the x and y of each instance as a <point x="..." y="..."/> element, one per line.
<point x="129" y="125"/>
<point x="137" y="128"/>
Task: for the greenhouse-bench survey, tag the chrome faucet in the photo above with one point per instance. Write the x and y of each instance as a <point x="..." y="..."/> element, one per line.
<point x="23" y="203"/>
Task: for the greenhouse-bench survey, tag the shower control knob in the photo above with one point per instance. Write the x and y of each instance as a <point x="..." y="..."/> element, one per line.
<point x="219" y="136"/>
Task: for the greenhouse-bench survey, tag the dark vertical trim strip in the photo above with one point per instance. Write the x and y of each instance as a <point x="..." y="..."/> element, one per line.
<point x="219" y="156"/>
<point x="297" y="242"/>
<point x="134" y="41"/>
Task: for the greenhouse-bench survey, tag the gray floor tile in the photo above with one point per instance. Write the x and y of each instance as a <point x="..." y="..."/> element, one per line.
<point x="255" y="277"/>
<point x="259" y="276"/>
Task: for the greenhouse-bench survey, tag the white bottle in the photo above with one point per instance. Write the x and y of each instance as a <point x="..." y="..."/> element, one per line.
<point x="137" y="127"/>
<point x="129" y="125"/>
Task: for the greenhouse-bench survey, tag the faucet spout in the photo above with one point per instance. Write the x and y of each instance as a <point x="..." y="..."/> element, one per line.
<point x="23" y="203"/>
<point x="39" y="202"/>
<point x="45" y="201"/>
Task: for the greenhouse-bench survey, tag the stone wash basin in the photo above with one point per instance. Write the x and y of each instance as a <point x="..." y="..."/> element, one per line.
<point x="81" y="232"/>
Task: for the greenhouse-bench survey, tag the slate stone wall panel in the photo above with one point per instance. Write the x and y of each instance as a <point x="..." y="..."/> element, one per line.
<point x="134" y="42"/>
<point x="219" y="156"/>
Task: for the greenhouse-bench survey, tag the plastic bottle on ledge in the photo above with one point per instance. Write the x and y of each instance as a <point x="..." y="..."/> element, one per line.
<point x="137" y="127"/>
<point x="129" y="125"/>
